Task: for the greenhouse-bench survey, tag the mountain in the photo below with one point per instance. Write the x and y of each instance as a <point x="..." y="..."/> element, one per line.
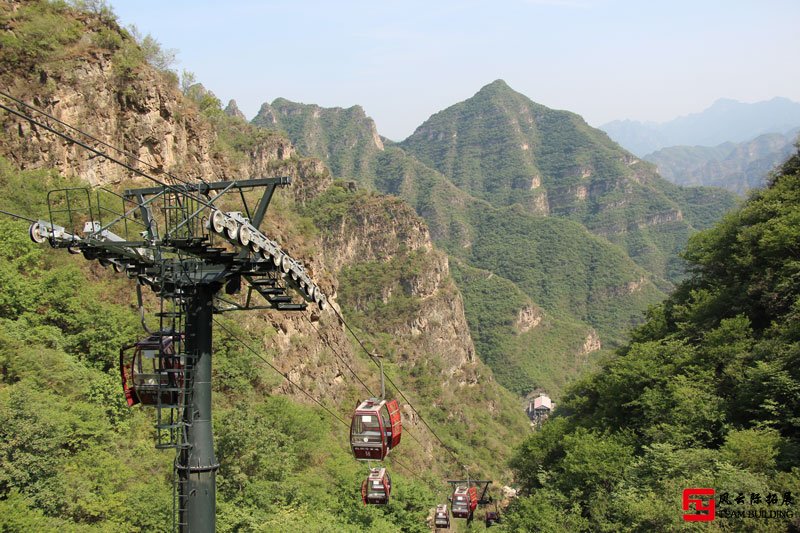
<point x="346" y="140"/>
<point x="737" y="167"/>
<point x="725" y="121"/>
<point x="529" y="222"/>
<point x="73" y="456"/>
<point x="705" y="395"/>
<point x="503" y="148"/>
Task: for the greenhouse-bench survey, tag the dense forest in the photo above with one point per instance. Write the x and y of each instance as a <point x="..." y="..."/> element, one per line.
<point x="707" y="394"/>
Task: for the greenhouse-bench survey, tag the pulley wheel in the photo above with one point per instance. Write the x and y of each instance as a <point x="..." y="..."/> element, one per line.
<point x="218" y="221"/>
<point x="36" y="233"/>
<point x="245" y="234"/>
<point x="232" y="229"/>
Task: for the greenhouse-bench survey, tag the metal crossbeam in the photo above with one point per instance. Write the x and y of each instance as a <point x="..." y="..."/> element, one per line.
<point x="214" y="186"/>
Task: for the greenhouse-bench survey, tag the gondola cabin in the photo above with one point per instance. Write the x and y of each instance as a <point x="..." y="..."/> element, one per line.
<point x="377" y="487"/>
<point x="464" y="501"/>
<point x="151" y="372"/>
<point x="375" y="429"/>
<point x="441" y="519"/>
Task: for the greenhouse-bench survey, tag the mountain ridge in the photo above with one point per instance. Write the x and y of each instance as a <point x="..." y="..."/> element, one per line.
<point x="726" y="120"/>
<point x="737" y="167"/>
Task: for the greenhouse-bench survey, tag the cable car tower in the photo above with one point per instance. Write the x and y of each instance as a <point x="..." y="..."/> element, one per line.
<point x="177" y="240"/>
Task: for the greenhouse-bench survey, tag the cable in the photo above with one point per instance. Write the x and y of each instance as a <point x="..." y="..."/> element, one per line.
<point x="95" y="151"/>
<point x="327" y="341"/>
<point x="17" y="216"/>
<point x="372" y="358"/>
<point x="273" y="367"/>
<point x="95" y="139"/>
<point x="312" y="398"/>
<point x="341" y="358"/>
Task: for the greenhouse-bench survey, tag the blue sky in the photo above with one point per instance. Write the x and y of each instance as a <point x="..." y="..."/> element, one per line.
<point x="405" y="60"/>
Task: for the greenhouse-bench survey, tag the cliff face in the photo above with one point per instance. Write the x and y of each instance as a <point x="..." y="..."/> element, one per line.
<point x="146" y="116"/>
<point x="395" y="280"/>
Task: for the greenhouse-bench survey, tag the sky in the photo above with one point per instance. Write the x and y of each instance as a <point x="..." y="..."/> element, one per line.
<point x="402" y="61"/>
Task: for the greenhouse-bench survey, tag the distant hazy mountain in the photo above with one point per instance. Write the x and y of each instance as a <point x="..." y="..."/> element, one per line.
<point x="725" y="121"/>
<point x="737" y="167"/>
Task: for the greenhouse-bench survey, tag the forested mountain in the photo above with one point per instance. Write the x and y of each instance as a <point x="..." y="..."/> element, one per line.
<point x="346" y="140"/>
<point x="725" y="121"/>
<point x="707" y="394"/>
<point x="519" y="191"/>
<point x="73" y="456"/>
<point x="737" y="167"/>
<point x="502" y="147"/>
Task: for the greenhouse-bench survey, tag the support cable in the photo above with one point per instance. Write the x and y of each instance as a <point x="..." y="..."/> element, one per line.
<point x="95" y="139"/>
<point x="372" y="358"/>
<point x="342" y="359"/>
<point x="330" y="345"/>
<point x="312" y="398"/>
<point x="198" y="198"/>
<point x="273" y="367"/>
<point x="17" y="216"/>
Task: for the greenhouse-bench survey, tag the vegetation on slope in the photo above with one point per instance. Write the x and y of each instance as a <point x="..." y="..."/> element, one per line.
<point x="564" y="268"/>
<point x="706" y="395"/>
<point x="545" y="354"/>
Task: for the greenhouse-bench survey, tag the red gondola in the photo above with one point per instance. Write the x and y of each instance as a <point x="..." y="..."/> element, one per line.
<point x="375" y="429"/>
<point x="464" y="502"/>
<point x="441" y="520"/>
<point x="377" y="487"/>
<point x="152" y="374"/>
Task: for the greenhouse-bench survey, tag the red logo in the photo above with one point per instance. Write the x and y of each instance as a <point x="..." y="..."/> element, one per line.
<point x="704" y="510"/>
